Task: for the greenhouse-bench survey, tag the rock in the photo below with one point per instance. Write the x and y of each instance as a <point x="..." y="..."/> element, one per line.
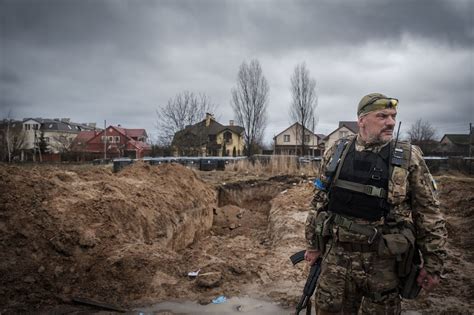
<point x="29" y="279"/>
<point x="232" y="226"/>
<point x="58" y="271"/>
<point x="41" y="269"/>
<point x="209" y="279"/>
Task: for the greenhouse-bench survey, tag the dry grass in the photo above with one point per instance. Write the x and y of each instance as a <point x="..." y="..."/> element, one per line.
<point x="274" y="165"/>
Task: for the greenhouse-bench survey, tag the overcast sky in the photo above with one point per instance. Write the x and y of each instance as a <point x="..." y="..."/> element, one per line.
<point x="118" y="60"/>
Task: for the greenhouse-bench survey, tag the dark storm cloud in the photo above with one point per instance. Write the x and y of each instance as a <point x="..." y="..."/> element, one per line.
<point x="280" y="24"/>
<point x="118" y="59"/>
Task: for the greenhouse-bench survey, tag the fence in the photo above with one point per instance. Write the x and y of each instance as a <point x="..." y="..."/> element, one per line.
<point x="457" y="163"/>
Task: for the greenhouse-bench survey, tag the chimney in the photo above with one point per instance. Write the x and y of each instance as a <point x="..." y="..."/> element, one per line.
<point x="231" y="122"/>
<point x="208" y="119"/>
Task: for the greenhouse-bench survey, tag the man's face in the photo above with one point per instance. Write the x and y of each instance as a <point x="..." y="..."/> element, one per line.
<point x="377" y="126"/>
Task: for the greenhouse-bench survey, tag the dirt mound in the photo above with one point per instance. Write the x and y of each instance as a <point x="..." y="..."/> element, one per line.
<point x="131" y="238"/>
<point x="88" y="232"/>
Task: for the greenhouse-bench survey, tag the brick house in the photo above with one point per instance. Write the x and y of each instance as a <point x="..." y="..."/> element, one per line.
<point x="115" y="140"/>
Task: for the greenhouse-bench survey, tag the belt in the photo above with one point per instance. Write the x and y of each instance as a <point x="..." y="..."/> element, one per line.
<point x="370" y="231"/>
<point x="358" y="247"/>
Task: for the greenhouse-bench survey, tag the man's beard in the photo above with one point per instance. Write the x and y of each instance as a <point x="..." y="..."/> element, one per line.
<point x="379" y="138"/>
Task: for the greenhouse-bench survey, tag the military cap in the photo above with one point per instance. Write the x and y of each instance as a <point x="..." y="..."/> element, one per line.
<point x="375" y="101"/>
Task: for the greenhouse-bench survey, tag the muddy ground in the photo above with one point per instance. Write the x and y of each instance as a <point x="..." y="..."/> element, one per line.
<point x="130" y="239"/>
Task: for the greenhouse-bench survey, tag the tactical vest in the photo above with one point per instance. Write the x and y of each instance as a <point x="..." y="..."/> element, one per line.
<point x="360" y="189"/>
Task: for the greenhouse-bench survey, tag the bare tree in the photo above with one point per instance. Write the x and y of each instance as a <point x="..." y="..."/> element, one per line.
<point x="186" y="108"/>
<point x="61" y="144"/>
<point x="421" y="132"/>
<point x="303" y="106"/>
<point x="12" y="138"/>
<point x="249" y="101"/>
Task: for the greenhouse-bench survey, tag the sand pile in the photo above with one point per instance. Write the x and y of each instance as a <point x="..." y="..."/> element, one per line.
<point x="88" y="232"/>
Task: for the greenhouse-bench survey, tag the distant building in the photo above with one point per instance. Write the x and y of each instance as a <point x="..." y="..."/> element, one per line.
<point x="52" y="136"/>
<point x="288" y="141"/>
<point x="209" y="138"/>
<point x="454" y="145"/>
<point x="114" y="141"/>
<point x="345" y="129"/>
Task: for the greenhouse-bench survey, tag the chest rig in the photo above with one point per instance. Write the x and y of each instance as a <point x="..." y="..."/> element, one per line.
<point x="359" y="181"/>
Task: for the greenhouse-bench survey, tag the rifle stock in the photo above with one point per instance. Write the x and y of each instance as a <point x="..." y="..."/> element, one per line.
<point x="311" y="282"/>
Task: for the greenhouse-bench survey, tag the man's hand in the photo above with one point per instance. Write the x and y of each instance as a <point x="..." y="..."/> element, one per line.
<point x="311" y="256"/>
<point x="425" y="280"/>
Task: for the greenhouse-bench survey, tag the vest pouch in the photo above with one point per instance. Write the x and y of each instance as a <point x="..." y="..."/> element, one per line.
<point x="321" y="230"/>
<point x="345" y="236"/>
<point x="393" y="245"/>
<point x="406" y="263"/>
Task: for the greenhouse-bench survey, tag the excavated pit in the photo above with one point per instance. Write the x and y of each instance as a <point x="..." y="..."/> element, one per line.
<point x="130" y="239"/>
<point x="244" y="207"/>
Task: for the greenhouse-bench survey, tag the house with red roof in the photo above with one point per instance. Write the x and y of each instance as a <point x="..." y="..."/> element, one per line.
<point x="112" y="142"/>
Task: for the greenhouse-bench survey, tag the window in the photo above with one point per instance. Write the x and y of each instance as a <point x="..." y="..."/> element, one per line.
<point x="110" y="139"/>
<point x="342" y="134"/>
<point x="46" y="139"/>
<point x="50" y="126"/>
<point x="286" y="138"/>
<point x="306" y="138"/>
<point x="228" y="137"/>
<point x="27" y="126"/>
<point x="117" y="139"/>
<point x="69" y="126"/>
<point x="36" y="127"/>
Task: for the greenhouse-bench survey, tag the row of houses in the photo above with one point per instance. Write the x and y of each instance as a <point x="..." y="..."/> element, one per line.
<point x="48" y="139"/>
<point x="53" y="137"/>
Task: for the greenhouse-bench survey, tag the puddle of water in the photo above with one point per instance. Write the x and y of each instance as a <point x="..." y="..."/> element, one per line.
<point x="235" y="305"/>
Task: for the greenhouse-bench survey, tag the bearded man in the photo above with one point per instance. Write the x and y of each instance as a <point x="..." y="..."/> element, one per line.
<point x="374" y="219"/>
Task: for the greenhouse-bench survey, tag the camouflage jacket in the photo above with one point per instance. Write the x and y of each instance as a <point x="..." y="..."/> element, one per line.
<point x="412" y="196"/>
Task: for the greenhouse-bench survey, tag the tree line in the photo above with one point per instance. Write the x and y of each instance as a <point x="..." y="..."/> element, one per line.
<point x="249" y="101"/>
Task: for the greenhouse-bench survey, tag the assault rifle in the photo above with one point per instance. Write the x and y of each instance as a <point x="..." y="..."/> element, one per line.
<point x="310" y="286"/>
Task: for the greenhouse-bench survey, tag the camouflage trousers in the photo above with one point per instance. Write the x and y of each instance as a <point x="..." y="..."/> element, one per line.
<point x="357" y="283"/>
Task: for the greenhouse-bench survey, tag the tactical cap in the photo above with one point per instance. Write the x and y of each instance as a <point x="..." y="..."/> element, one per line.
<point x="369" y="99"/>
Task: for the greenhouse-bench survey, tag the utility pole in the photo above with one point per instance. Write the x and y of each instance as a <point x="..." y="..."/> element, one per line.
<point x="105" y="140"/>
<point x="471" y="145"/>
<point x="471" y="140"/>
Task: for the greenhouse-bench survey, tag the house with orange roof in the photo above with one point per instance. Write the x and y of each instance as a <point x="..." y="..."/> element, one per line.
<point x="112" y="142"/>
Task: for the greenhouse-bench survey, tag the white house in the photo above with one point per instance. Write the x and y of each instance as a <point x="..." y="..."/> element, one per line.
<point x="57" y="133"/>
<point x="345" y="129"/>
<point x="288" y="141"/>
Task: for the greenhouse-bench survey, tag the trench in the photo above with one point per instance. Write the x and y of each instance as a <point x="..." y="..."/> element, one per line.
<point x="237" y="248"/>
<point x="243" y="207"/>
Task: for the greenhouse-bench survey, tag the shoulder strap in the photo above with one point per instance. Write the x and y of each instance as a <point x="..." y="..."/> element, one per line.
<point x="348" y="143"/>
